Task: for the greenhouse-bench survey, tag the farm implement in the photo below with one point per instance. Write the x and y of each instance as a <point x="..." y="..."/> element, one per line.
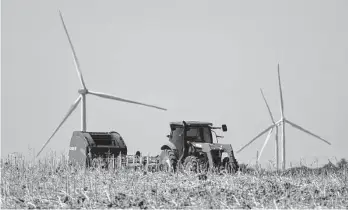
<point x="105" y="149"/>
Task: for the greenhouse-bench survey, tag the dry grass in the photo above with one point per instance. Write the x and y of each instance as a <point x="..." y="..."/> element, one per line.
<point x="54" y="185"/>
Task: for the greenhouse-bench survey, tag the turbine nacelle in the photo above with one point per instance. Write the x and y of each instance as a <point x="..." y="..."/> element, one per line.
<point x="83" y="91"/>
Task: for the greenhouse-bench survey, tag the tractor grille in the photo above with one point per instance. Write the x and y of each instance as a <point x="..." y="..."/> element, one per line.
<point x="216" y="154"/>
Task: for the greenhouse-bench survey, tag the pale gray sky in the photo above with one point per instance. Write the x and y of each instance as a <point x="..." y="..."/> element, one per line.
<point x="203" y="60"/>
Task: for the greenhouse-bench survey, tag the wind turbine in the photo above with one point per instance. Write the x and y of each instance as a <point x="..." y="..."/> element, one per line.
<point x="83" y="92"/>
<point x="281" y="124"/>
<point x="270" y="133"/>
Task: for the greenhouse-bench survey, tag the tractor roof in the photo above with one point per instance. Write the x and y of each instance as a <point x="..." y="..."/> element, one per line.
<point x="192" y="123"/>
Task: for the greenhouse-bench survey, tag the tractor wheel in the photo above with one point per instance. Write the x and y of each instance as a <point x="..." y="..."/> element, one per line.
<point x="230" y="166"/>
<point x="191" y="164"/>
<point x="167" y="160"/>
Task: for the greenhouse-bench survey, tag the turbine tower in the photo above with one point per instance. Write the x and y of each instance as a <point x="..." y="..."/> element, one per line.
<point x="84" y="92"/>
<point x="281" y="123"/>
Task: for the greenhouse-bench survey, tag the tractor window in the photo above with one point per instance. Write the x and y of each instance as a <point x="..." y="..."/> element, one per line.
<point x="199" y="135"/>
<point x="177" y="134"/>
<point x="207" y="135"/>
<point x="193" y="132"/>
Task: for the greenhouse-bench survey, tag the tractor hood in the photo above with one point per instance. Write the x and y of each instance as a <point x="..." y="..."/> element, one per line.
<point x="208" y="146"/>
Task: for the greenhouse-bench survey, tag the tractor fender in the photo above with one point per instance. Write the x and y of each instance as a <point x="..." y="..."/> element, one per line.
<point x="169" y="145"/>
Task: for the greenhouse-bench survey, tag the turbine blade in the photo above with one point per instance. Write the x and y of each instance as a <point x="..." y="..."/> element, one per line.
<point x="281" y="94"/>
<point x="306" y="131"/>
<point x="72" y="108"/>
<point x="260" y="134"/>
<point x="77" y="64"/>
<point x="269" y="110"/>
<point x="264" y="144"/>
<point x="103" y="95"/>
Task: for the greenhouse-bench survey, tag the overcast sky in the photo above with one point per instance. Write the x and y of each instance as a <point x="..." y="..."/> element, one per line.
<point x="202" y="60"/>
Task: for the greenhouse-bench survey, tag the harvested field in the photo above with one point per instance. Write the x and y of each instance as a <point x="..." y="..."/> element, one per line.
<point x="48" y="185"/>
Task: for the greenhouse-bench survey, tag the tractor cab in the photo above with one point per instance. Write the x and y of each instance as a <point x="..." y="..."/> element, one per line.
<point x="198" y="134"/>
<point x="193" y="131"/>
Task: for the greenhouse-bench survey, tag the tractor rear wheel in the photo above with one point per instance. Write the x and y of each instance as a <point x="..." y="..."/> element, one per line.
<point x="230" y="166"/>
<point x="191" y="164"/>
<point x="167" y="160"/>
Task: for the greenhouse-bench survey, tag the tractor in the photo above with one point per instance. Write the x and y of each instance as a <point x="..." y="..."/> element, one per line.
<point x="191" y="146"/>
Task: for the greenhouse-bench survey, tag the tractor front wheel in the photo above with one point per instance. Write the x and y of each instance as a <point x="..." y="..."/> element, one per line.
<point x="230" y="166"/>
<point x="167" y="160"/>
<point x="191" y="164"/>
